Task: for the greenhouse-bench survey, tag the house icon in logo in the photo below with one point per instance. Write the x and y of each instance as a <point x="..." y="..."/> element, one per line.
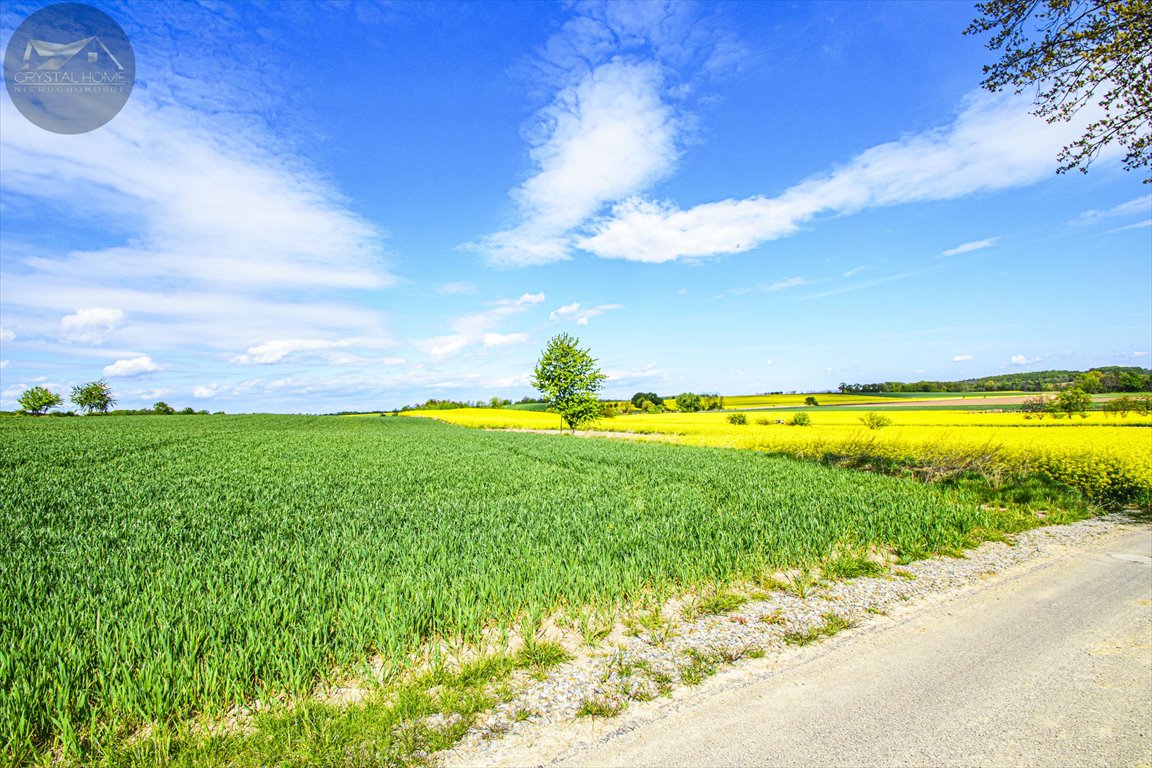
<point x="42" y="56"/>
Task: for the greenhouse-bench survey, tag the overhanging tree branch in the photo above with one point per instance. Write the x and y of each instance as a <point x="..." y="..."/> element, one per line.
<point x="1075" y="53"/>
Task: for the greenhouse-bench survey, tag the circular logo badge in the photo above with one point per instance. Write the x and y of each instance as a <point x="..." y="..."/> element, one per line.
<point x="69" y="68"/>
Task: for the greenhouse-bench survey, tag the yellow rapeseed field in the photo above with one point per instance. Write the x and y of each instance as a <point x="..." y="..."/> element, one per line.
<point x="1107" y="457"/>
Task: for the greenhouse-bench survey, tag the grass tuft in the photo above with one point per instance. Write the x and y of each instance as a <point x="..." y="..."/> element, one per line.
<point x="599" y="706"/>
<point x="833" y="623"/>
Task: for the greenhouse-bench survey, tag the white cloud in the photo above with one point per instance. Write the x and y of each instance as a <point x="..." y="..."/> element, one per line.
<point x="7" y="335"/>
<point x="1023" y="360"/>
<point x="975" y="245"/>
<point x="606" y="137"/>
<point x="4" y="363"/>
<point x="567" y="309"/>
<point x="207" y="390"/>
<point x="622" y="79"/>
<point x="653" y="232"/>
<point x="780" y="285"/>
<point x="581" y="314"/>
<point x="90" y="326"/>
<point x="993" y="144"/>
<point x="136" y="366"/>
<point x="854" y="271"/>
<point x="961" y="358"/>
<point x="504" y="339"/>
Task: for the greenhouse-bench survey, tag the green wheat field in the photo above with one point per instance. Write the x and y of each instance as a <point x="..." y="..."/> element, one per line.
<point x="157" y="569"/>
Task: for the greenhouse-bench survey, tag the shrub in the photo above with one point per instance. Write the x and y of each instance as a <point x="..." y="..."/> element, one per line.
<point x="875" y="420"/>
<point x="800" y="420"/>
<point x="737" y="418"/>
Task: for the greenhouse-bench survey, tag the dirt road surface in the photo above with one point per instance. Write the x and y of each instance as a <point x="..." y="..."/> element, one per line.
<point x="1048" y="664"/>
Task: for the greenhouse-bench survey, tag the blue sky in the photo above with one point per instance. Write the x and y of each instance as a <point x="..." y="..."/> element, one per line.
<point x="310" y="207"/>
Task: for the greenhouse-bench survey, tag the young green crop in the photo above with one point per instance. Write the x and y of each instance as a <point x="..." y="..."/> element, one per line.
<point x="155" y="568"/>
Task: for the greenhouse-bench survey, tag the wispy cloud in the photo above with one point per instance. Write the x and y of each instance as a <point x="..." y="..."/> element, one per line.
<point x="975" y="245"/>
<point x="477" y="328"/>
<point x="1022" y="360"/>
<point x="456" y="289"/>
<point x="504" y="339"/>
<point x="733" y="292"/>
<point x="1138" y="225"/>
<point x="865" y="284"/>
<point x="278" y="350"/>
<point x="781" y="285"/>
<point x="619" y="376"/>
<point x="581" y="314"/>
<point x="961" y="358"/>
<point x="219" y="240"/>
<point x="1140" y="206"/>
<point x="993" y="144"/>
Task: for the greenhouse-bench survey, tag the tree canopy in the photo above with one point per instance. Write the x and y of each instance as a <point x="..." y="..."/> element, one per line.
<point x="569" y="379"/>
<point x="37" y="400"/>
<point x="1076" y="52"/>
<point x="94" y="396"/>
<point x="688" y="402"/>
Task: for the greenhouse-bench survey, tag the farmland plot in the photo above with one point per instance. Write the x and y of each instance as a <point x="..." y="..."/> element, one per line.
<point x="158" y="567"/>
<point x="1106" y="457"/>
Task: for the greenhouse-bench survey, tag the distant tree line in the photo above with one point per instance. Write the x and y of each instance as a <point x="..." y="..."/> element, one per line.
<point x="1074" y="400"/>
<point x="1093" y="381"/>
<point x="434" y="404"/>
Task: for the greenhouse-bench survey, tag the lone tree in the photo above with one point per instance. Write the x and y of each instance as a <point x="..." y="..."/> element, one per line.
<point x="1074" y="52"/>
<point x="94" y="396"/>
<point x="568" y="378"/>
<point x="36" y="400"/>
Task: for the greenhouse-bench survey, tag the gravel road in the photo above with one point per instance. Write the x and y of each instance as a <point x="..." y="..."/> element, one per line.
<point x="1038" y="654"/>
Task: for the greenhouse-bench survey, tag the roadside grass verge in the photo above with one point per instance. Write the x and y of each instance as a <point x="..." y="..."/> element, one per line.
<point x="397" y="724"/>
